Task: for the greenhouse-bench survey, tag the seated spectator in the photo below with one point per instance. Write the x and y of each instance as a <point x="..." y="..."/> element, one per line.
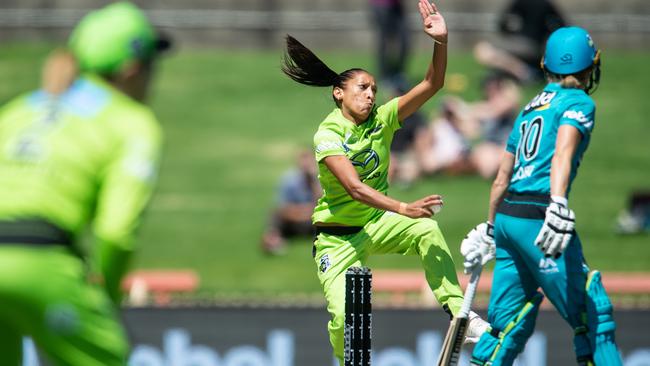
<point x="447" y="143"/>
<point x="523" y="28"/>
<point x="470" y="137"/>
<point x="635" y="219"/>
<point x="408" y="142"/>
<point x="296" y="198"/>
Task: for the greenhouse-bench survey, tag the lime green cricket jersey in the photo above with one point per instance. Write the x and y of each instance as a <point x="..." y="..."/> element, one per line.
<point x="90" y="154"/>
<point x="368" y="147"/>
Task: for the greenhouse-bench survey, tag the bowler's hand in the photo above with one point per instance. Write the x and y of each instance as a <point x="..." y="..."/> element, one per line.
<point x="422" y="207"/>
<point x="433" y="22"/>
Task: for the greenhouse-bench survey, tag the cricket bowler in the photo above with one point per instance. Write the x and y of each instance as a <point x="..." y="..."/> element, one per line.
<point x="355" y="218"/>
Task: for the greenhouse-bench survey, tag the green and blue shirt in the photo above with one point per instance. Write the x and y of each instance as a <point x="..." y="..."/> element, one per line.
<point x="89" y="155"/>
<point x="368" y="147"/>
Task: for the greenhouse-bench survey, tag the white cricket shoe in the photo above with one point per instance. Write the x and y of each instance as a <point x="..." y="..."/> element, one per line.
<point x="475" y="328"/>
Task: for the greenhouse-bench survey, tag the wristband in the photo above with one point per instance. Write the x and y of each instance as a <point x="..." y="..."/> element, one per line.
<point x="438" y="42"/>
<point x="402" y="208"/>
<point x="562" y="201"/>
<point x="490" y="229"/>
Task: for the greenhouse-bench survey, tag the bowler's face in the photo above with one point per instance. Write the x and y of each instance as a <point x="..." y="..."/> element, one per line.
<point x="358" y="96"/>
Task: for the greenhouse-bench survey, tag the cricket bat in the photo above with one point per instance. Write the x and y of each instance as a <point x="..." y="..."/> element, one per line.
<point x="450" y="353"/>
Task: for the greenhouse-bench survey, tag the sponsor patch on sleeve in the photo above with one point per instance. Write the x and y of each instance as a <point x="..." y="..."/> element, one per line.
<point x="328" y="146"/>
<point x="579" y="117"/>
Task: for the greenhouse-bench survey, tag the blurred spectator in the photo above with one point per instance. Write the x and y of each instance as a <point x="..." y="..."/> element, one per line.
<point x="296" y="198"/>
<point x="447" y="143"/>
<point x="81" y="151"/>
<point x="636" y="218"/>
<point x="523" y="29"/>
<point x="392" y="37"/>
<point x="408" y="142"/>
<point x="469" y="137"/>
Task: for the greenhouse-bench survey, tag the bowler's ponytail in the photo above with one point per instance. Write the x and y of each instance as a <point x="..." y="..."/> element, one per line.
<point x="59" y="72"/>
<point x="304" y="67"/>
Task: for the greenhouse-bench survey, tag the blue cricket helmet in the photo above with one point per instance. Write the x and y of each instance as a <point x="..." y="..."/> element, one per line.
<point x="569" y="50"/>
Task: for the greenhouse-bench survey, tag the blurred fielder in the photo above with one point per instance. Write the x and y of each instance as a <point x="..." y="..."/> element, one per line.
<point x="355" y="218"/>
<point x="536" y="245"/>
<point x="82" y="149"/>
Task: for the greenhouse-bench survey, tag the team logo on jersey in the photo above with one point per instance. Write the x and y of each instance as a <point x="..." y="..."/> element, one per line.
<point x="541" y="102"/>
<point x="547" y="266"/>
<point x="28" y="149"/>
<point x="365" y="162"/>
<point x="324" y="263"/>
<point x="374" y="130"/>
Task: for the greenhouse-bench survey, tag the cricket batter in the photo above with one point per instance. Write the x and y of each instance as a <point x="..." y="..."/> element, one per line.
<point x="81" y="150"/>
<point x="531" y="222"/>
<point x="354" y="217"/>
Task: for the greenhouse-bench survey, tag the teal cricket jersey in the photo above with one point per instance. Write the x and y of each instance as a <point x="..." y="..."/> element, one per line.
<point x="534" y="134"/>
<point x="368" y="147"/>
<point x="90" y="154"/>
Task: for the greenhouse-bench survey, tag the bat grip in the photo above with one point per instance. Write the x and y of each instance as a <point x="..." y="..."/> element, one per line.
<point x="470" y="291"/>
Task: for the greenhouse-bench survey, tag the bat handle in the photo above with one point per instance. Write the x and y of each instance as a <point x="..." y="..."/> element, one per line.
<point x="470" y="291"/>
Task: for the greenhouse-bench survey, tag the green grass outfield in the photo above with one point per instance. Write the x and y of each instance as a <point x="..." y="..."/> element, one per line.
<point x="233" y="123"/>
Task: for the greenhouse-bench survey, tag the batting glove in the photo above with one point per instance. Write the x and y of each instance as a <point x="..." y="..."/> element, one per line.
<point x="478" y="246"/>
<point x="476" y="326"/>
<point x="557" y="231"/>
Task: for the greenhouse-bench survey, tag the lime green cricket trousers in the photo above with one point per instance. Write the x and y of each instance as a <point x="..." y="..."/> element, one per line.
<point x="389" y="233"/>
<point x="44" y="295"/>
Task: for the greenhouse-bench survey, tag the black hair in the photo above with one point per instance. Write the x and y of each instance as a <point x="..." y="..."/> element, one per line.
<point x="303" y="66"/>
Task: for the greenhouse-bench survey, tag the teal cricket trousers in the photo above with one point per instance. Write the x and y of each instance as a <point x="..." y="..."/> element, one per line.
<point x="521" y="269"/>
